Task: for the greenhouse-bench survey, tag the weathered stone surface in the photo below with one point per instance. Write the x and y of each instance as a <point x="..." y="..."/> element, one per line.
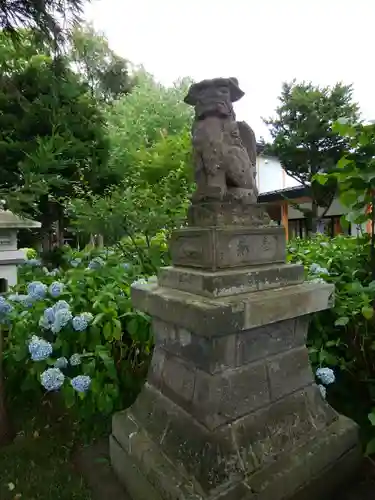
<point x="292" y="472"/>
<point x="274" y="453"/>
<point x="231" y="282"/>
<point x="178" y="379"/>
<point x="264" y="341"/>
<point x="338" y="474"/>
<point x="209" y="354"/>
<point x="129" y="474"/>
<point x="208" y="462"/>
<point x="223" y="397"/>
<point x="227" y="247"/>
<point x="228" y="214"/>
<point x="155" y="372"/>
<point x="265" y="434"/>
<point x="224" y="151"/>
<point x="288" y="372"/>
<point x="216" y="354"/>
<point x="222" y="316"/>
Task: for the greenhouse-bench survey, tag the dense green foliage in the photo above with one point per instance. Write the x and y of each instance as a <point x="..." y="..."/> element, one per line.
<point x="344" y="337"/>
<point x="150" y="153"/>
<point x="53" y="135"/>
<point x="48" y="16"/>
<point x="303" y="137"/>
<point x="103" y="70"/>
<point x="81" y="310"/>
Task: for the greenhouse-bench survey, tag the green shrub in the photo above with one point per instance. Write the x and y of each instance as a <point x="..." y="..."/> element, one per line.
<point x="80" y="321"/>
<point x="343" y="337"/>
<point x="30" y="253"/>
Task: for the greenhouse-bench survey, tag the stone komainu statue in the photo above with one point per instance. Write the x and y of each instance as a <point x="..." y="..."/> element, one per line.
<point x="224" y="150"/>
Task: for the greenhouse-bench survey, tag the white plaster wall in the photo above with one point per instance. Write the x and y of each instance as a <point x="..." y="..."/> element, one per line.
<point x="358" y="229"/>
<point x="271" y="176"/>
<point x="9" y="273"/>
<point x="335" y="209"/>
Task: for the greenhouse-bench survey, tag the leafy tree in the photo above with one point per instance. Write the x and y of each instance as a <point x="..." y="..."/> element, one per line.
<point x="303" y="137"/>
<point x="150" y="149"/>
<point x="52" y="137"/>
<point x="47" y="16"/>
<point x="106" y="73"/>
<point x="132" y="216"/>
<point x="355" y="175"/>
<point x="150" y="115"/>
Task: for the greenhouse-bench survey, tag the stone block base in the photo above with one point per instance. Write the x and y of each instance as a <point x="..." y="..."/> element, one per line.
<point x="178" y="465"/>
<point x="224" y="214"/>
<point x="232" y="282"/>
<point x="217" y="247"/>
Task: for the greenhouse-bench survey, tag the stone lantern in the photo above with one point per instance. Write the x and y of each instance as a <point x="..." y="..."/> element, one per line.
<point x="10" y="256"/>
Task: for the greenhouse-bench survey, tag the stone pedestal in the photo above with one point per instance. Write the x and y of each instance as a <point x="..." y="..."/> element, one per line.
<point x="230" y="410"/>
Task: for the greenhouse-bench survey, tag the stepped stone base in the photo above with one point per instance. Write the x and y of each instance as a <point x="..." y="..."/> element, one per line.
<point x="231" y="282"/>
<point x="230" y="410"/>
<point x="292" y="450"/>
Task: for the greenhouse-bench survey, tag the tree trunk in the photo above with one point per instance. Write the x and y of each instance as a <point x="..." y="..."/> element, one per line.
<point x="314" y="216"/>
<point x="60" y="232"/>
<point x="372" y="250"/>
<point x="6" y="434"/>
<point x="100" y="241"/>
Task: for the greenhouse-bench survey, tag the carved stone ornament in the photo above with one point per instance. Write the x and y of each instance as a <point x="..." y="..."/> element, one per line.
<point x="224" y="150"/>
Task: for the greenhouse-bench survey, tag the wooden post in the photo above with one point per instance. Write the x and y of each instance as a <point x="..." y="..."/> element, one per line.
<point x="284" y="218"/>
<point x="337" y="228"/>
<point x="369" y="223"/>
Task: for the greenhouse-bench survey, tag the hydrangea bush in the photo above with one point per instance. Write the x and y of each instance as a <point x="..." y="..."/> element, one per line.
<point x="73" y="330"/>
<point x="341" y="340"/>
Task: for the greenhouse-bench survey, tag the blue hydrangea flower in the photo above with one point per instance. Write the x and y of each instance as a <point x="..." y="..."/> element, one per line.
<point x="21" y="298"/>
<point x="317" y="269"/>
<point x="81" y="383"/>
<point x="96" y="263"/>
<point x="81" y="322"/>
<point x="61" y="363"/>
<point x="326" y="375"/>
<point x="54" y="272"/>
<point x="88" y="316"/>
<point x="141" y="281"/>
<point x="323" y="391"/>
<point x="317" y="280"/>
<point x="48" y="318"/>
<point x="37" y="290"/>
<point x="33" y="262"/>
<point x="56" y="288"/>
<point x="62" y="318"/>
<point x="61" y="304"/>
<point x="39" y="349"/>
<point x="5" y="307"/>
<point x="75" y="359"/>
<point x="52" y="379"/>
<point x="75" y="262"/>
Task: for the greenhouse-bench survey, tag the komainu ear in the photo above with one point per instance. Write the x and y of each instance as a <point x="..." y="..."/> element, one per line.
<point x="192" y="95"/>
<point x="235" y="92"/>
